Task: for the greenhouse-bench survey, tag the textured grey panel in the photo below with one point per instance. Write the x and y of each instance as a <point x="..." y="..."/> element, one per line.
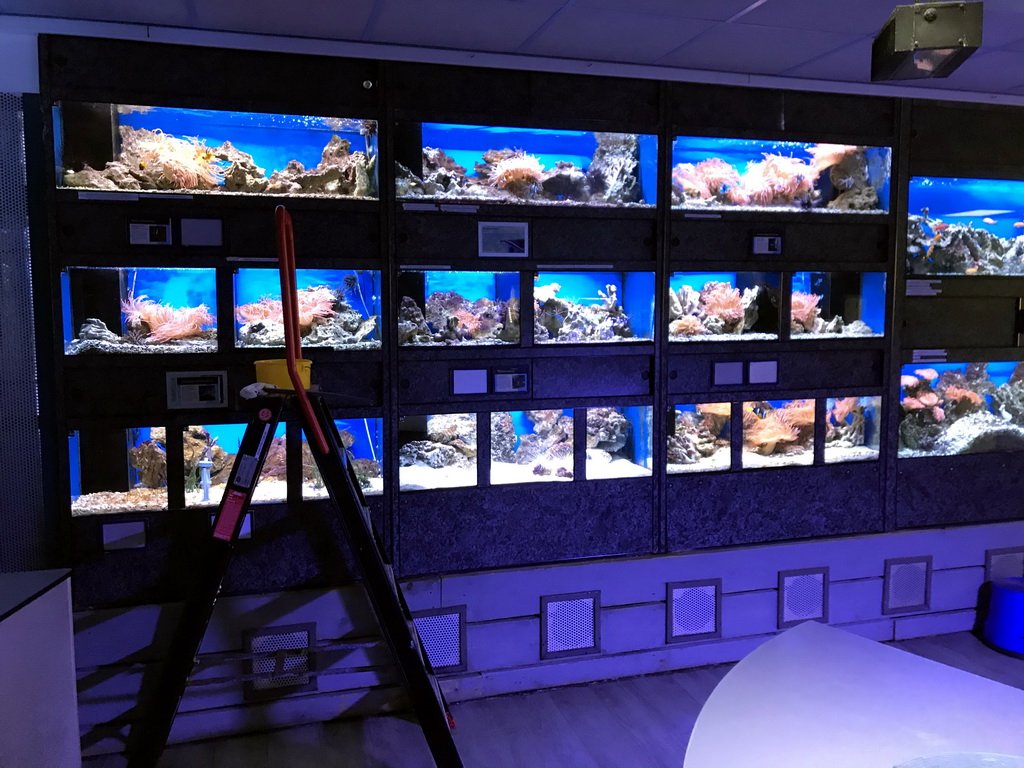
<point x="21" y="484"/>
<point x="291" y="667"/>
<point x="803" y="596"/>
<point x="1004" y="563"/>
<point x="441" y="634"/>
<point x="694" y="610"/>
<point x="907" y="584"/>
<point x="570" y="625"/>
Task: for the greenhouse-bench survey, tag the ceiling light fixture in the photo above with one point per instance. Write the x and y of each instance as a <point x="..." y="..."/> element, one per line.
<point x="926" y="40"/>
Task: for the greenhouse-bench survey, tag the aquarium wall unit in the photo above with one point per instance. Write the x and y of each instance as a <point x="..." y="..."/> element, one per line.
<point x="723" y="306"/>
<point x="532" y="446"/>
<point x="618" y="442"/>
<point x="852" y="428"/>
<point x="965" y="226"/>
<point x="448" y="308"/>
<point x="117" y="470"/>
<point x="593" y="307"/>
<point x="750" y="174"/>
<point x="950" y="409"/>
<point x="364" y="440"/>
<point x="699" y="438"/>
<point x="437" y="451"/>
<point x="337" y="308"/>
<point x="210" y="452"/>
<point x="131" y="310"/>
<point x="837" y="305"/>
<point x="135" y="148"/>
<point x="778" y="433"/>
<point x="534" y="166"/>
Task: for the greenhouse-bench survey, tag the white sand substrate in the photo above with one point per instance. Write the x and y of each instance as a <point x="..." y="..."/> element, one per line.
<point x="420" y="477"/>
<point x="837" y="454"/>
<point x="716" y="462"/>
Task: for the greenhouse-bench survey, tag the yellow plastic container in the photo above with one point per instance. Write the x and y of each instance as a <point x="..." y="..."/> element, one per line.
<point x="276" y="372"/>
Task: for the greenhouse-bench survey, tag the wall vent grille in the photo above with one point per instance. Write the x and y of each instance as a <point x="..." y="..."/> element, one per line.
<point x="803" y="596"/>
<point x="569" y="624"/>
<point x="443" y="634"/>
<point x="1004" y="563"/>
<point x="284" y="661"/>
<point x="694" y="610"/>
<point x="908" y="584"/>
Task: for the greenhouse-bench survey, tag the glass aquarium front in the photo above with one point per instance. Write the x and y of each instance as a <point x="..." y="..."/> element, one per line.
<point x="618" y="442"/>
<point x="127" y="310"/>
<point x="593" y="307"/>
<point x="950" y="409"/>
<point x="446" y="308"/>
<point x="700" y="438"/>
<point x="437" y="451"/>
<point x="753" y="174"/>
<point x="491" y="164"/>
<point x="852" y="428"/>
<point x="337" y="308"/>
<point x="166" y="149"/>
<point x="837" y="304"/>
<point x="531" y="446"/>
<point x="778" y="433"/>
<point x="363" y="439"/>
<point x="122" y="470"/>
<point x="210" y="451"/>
<point x="963" y="227"/>
<point x="723" y="306"/>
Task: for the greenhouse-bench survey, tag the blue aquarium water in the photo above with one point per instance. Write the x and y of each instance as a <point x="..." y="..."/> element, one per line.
<point x="700" y="438"/>
<point x="607" y="168"/>
<point x="139" y="310"/>
<point x="365" y="440"/>
<point x="949" y="409"/>
<point x="338" y="308"/>
<point x="619" y="442"/>
<point x="220" y="444"/>
<point x="852" y="428"/>
<point x="446" y="307"/>
<point x="709" y="172"/>
<point x="965" y="226"/>
<point x="570" y="307"/>
<point x="532" y="446"/>
<point x="141" y="458"/>
<point x="724" y="306"/>
<point x="195" y="139"/>
<point x="843" y="298"/>
<point x="778" y="433"/>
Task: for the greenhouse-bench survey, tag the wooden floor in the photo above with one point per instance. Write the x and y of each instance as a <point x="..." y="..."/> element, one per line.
<point x="642" y="721"/>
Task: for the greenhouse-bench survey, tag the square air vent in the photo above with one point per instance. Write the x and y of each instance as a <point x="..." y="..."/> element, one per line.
<point x="282" y="660"/>
<point x="693" y="610"/>
<point x="569" y="624"/>
<point x="803" y="596"/>
<point x="443" y="634"/>
<point x="908" y="584"/>
<point x="1004" y="563"/>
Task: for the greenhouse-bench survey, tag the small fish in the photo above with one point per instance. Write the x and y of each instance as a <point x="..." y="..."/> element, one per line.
<point x="970" y="270"/>
<point x="988" y="220"/>
<point x="142" y="165"/>
<point x="1018" y="224"/>
<point x="939" y="226"/>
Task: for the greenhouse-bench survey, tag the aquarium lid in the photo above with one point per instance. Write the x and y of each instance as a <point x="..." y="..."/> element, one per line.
<point x="926" y="40"/>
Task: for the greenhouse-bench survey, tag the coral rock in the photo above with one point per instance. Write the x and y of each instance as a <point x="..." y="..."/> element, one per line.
<point x="607" y="429"/>
<point x="431" y="454"/>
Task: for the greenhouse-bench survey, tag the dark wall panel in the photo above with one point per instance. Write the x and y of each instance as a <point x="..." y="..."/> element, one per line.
<point x="951" y="490"/>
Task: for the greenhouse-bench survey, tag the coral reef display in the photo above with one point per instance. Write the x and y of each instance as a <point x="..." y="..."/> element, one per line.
<point x="327" y="318"/>
<point x="579" y="319"/>
<point x="965" y="227"/>
<point x="779" y="175"/>
<point x="529" y="446"/>
<point x="778" y="433"/>
<point x="618" y="442"/>
<point x="851" y="429"/>
<point x="830" y="304"/>
<point x="953" y="409"/>
<point x="719" y="311"/>
<point x="362" y="440"/>
<point x="150" y="159"/>
<point x="592" y="169"/>
<point x="452" y="316"/>
<point x="700" y="439"/>
<point x="441" y="455"/>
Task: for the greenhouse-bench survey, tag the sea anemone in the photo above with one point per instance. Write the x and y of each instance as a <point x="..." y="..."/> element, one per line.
<point x="826" y="155"/>
<point x="688" y="325"/>
<point x="519" y="174"/>
<point x="688" y="182"/>
<point x="841" y="409"/>
<point x="717" y="175"/>
<point x="764" y="434"/>
<point x="314" y="304"/>
<point x="162" y="323"/>
<point x="804" y="309"/>
<point x="723" y="301"/>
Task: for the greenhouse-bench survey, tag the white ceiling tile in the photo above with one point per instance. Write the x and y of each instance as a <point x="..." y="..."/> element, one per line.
<point x="713" y="10"/>
<point x="170" y="12"/>
<point x="1002" y="28"/>
<point x="613" y="35"/>
<point x="304" y="18"/>
<point x="754" y="49"/>
<point x="477" y="25"/>
<point x="851" y="63"/>
<point x="859" y="16"/>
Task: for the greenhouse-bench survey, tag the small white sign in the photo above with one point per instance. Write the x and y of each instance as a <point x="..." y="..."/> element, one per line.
<point x="504" y="238"/>
<point x="471" y="381"/>
<point x="197" y="389"/>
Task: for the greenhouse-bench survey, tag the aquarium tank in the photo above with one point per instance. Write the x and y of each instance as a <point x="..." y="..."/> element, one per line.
<point x="437" y="451"/>
<point x="122" y="470"/>
<point x="531" y="446"/>
<point x="537" y="166"/>
<point x="963" y="227"/>
<point x="363" y="439"/>
<point x="837" y="304"/>
<point x="699" y="439"/>
<point x="950" y="409"/>
<point x="778" y="433"/>
<point x="618" y="442"/>
<point x="444" y="308"/>
<point x="137" y="148"/>
<point x="852" y="428"/>
<point x="210" y="451"/>
<point x="128" y="310"/>
<point x="723" y="306"/>
<point x="593" y="307"/>
<point x="753" y="174"/>
<point x="337" y="308"/>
